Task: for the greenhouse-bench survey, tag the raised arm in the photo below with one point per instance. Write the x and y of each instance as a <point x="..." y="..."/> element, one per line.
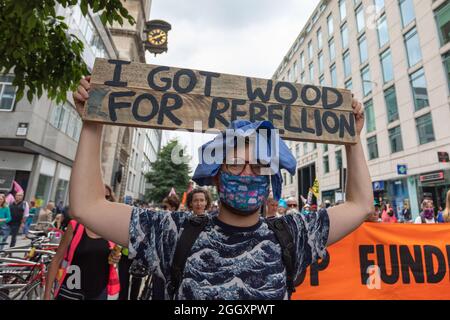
<point x="87" y="193"/>
<point x="359" y="196"/>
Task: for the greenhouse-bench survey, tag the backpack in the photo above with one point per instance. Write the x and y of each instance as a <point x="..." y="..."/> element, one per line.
<point x="194" y="225"/>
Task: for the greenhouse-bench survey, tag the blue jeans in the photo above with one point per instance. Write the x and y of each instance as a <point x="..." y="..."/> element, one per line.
<point x="4" y="234"/>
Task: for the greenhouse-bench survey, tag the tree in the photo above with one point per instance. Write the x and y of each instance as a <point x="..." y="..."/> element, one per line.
<point x="168" y="171"/>
<point x="36" y="46"/>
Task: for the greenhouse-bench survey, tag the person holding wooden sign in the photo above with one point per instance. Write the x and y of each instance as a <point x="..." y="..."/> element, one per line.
<point x="235" y="254"/>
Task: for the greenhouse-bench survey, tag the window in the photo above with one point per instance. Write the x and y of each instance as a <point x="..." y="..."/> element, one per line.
<point x="333" y="75"/>
<point x="443" y="21"/>
<point x="320" y="58"/>
<point x="311" y="73"/>
<point x="367" y="83"/>
<point x="305" y="148"/>
<point x="344" y="36"/>
<point x="419" y="88"/>
<point x="347" y="64"/>
<point x="284" y="178"/>
<point x="67" y="120"/>
<point x="370" y="116"/>
<point x="325" y="147"/>
<point x="314" y="146"/>
<point x="382" y="29"/>
<point x="319" y="39"/>
<point x="322" y="80"/>
<point x="7" y="93"/>
<point x="338" y="156"/>
<point x="362" y="44"/>
<point x="349" y="84"/>
<point x="379" y="5"/>
<point x="425" y="130"/>
<point x="326" y="165"/>
<point x="395" y="139"/>
<point x="297" y="150"/>
<point x="360" y="19"/>
<point x="342" y="9"/>
<point x="289" y="75"/>
<point x="386" y="65"/>
<point x="330" y="26"/>
<point x="391" y="104"/>
<point x="372" y="147"/>
<point x="446" y="60"/>
<point x="292" y="179"/>
<point x="413" y="47"/>
<point x="407" y="11"/>
<point x="302" y="78"/>
<point x="302" y="61"/>
<point x="295" y="71"/>
<point x="332" y="49"/>
<point x="310" y="50"/>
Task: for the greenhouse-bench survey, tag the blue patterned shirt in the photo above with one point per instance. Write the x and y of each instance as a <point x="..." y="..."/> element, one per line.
<point x="227" y="262"/>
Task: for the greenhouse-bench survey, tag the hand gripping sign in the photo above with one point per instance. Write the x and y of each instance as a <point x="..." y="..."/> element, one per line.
<point x="143" y="95"/>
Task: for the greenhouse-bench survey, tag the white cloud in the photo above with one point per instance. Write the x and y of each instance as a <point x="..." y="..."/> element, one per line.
<point x="244" y="37"/>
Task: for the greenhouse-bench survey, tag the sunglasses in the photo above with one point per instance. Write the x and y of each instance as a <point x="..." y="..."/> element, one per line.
<point x="292" y="205"/>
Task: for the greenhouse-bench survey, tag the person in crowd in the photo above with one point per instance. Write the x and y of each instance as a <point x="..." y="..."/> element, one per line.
<point x="440" y="215"/>
<point x="314" y="208"/>
<point x="292" y="203"/>
<point x="406" y="213"/>
<point x="171" y="203"/>
<point x="282" y="207"/>
<point x="236" y="255"/>
<point x="94" y="258"/>
<point x="5" y="218"/>
<point x="199" y="201"/>
<point x="306" y="209"/>
<point x="272" y="207"/>
<point x="19" y="213"/>
<point x="31" y="216"/>
<point x="45" y="216"/>
<point x="446" y="212"/>
<point x="427" y="214"/>
<point x="389" y="216"/>
<point x="327" y="204"/>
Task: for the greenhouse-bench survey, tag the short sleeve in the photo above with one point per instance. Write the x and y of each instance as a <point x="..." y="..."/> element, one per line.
<point x="153" y="237"/>
<point x="312" y="231"/>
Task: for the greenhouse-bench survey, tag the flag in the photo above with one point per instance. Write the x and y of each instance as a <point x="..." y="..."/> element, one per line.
<point x="315" y="188"/>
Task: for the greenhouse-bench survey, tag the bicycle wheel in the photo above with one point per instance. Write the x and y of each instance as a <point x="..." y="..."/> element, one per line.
<point x="4" y="296"/>
<point x="9" y="279"/>
<point x="33" y="292"/>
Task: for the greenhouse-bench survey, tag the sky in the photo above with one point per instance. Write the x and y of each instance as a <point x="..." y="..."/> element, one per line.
<point x="241" y="37"/>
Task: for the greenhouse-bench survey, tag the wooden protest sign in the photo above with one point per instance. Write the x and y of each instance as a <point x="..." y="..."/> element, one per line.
<point x="144" y="95"/>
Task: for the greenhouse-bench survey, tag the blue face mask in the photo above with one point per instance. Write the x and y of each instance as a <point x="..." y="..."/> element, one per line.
<point x="245" y="194"/>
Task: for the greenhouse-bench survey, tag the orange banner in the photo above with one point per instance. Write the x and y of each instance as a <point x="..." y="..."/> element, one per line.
<point x="383" y="262"/>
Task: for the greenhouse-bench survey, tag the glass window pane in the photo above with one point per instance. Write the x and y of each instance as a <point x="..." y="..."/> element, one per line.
<point x="322" y="80"/>
<point x="362" y="43"/>
<point x="344" y="35"/>
<point x="349" y="84"/>
<point x="347" y="64"/>
<point x="407" y="11"/>
<point x="370" y="116"/>
<point x="342" y="9"/>
<point x="372" y="147"/>
<point x="379" y="5"/>
<point x="391" y="104"/>
<point x="332" y="50"/>
<point x="43" y="188"/>
<point x="320" y="63"/>
<point x="319" y="39"/>
<point x="310" y="50"/>
<point x="326" y="165"/>
<point x="330" y="26"/>
<point x="338" y="159"/>
<point x="419" y="88"/>
<point x="311" y="73"/>
<point x="413" y="47"/>
<point x="333" y="76"/>
<point x="446" y="60"/>
<point x="443" y="21"/>
<point x="367" y="82"/>
<point x="395" y="139"/>
<point x="425" y="130"/>
<point x="302" y="61"/>
<point x="386" y="65"/>
<point x="8" y="93"/>
<point x="383" y="34"/>
<point x="360" y="19"/>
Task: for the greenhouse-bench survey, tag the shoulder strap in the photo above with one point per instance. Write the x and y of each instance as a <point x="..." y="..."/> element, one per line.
<point x="193" y="226"/>
<point x="283" y="234"/>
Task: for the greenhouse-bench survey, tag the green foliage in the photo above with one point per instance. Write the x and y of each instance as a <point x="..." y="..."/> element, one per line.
<point x="36" y="46"/>
<point x="166" y="174"/>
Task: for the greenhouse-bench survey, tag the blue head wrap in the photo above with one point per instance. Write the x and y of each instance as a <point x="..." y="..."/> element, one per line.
<point x="205" y="171"/>
<point x="282" y="203"/>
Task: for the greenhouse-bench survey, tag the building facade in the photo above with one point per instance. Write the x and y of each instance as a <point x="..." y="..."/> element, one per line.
<point x="394" y="55"/>
<point x="38" y="140"/>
